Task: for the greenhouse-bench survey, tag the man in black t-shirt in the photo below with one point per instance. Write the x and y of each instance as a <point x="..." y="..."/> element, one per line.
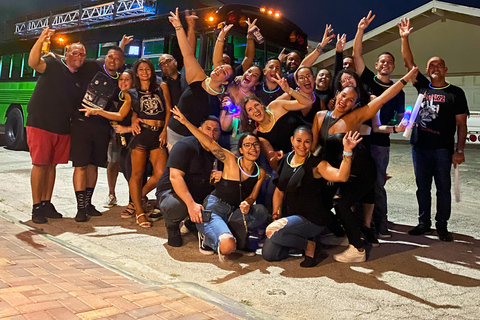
<point x="384" y="123"/>
<point x="443" y="112"/>
<point x="90" y="135"/>
<point x="57" y="94"/>
<point x="186" y="181"/>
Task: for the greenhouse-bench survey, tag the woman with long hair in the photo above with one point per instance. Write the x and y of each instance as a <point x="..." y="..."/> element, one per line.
<point x="234" y="195"/>
<point x="153" y="111"/>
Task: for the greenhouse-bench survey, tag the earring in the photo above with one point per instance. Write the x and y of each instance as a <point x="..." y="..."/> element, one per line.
<point x="249" y="121"/>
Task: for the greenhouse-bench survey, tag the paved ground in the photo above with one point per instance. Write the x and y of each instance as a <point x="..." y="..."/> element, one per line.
<point x="405" y="277"/>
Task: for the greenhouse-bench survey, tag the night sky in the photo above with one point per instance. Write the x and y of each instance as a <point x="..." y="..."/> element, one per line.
<point x="310" y="15"/>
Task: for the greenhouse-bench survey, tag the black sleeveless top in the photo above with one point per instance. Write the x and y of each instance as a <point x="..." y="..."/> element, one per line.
<point x="151" y="105"/>
<point x="279" y="136"/>
<point x="310" y="116"/>
<point x="229" y="190"/>
<point x="332" y="149"/>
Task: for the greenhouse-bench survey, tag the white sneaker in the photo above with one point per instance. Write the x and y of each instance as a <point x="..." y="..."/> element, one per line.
<point x="183" y="230"/>
<point x="202" y="248"/>
<point x="350" y="255"/>
<point x="111" y="201"/>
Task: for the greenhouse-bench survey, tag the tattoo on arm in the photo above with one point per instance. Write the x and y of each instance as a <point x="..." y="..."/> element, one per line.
<point x="219" y="154"/>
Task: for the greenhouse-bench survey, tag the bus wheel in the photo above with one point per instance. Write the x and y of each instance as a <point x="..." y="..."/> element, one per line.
<point x="15" y="132"/>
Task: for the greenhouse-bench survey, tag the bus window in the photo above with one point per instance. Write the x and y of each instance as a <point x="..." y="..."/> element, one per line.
<point x="153" y="47"/>
<point x="6" y="61"/>
<point x="16" y="66"/>
<point x="26" y="72"/>
<point x="91" y="51"/>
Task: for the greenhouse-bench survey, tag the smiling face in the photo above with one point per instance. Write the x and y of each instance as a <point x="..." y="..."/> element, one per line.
<point x="272" y="68"/>
<point x="346" y="100"/>
<point x="222" y="73"/>
<point x="385" y="65"/>
<point x="125" y="81"/>
<point x="301" y="142"/>
<point x="305" y="80"/>
<point x="144" y="72"/>
<point x="255" y="110"/>
<point x="114" y="60"/>
<point x="347" y="80"/>
<point x="348" y="63"/>
<point x="75" y="56"/>
<point x="293" y="61"/>
<point x="211" y="128"/>
<point x="323" y="79"/>
<point x="167" y="64"/>
<point x="250" y="148"/>
<point x="436" y="69"/>
<point x="251" y="77"/>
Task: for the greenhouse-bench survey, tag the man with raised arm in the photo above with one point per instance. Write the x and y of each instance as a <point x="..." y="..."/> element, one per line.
<point x="377" y="83"/>
<point x="186" y="180"/>
<point x="56" y="96"/>
<point x="443" y="112"/>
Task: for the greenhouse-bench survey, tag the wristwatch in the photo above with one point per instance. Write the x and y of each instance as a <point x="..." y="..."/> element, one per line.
<point x="459" y="151"/>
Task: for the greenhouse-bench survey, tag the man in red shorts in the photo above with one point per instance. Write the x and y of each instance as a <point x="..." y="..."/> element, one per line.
<point x="57" y="94"/>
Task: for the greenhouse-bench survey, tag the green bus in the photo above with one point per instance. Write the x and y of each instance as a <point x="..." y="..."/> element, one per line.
<point x="100" y="24"/>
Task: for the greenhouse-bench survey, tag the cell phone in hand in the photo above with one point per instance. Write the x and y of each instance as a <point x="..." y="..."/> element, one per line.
<point x="206" y="215"/>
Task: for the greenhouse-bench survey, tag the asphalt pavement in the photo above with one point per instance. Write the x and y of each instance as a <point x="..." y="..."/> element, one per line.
<point x="407" y="276"/>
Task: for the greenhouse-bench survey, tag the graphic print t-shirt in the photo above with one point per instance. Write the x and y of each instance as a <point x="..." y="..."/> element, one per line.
<point x="436" y="123"/>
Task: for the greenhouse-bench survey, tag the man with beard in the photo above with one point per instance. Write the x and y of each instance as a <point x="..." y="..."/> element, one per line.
<point x="381" y="126"/>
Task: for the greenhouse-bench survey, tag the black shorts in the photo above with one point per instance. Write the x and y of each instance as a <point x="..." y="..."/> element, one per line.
<point x="147" y="140"/>
<point x="89" y="143"/>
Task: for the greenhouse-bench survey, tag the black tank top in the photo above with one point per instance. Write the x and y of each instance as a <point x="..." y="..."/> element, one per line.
<point x="151" y="105"/>
<point x="279" y="136"/>
<point x="229" y="191"/>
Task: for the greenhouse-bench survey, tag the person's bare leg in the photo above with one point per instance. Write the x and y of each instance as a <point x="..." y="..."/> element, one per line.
<point x="112" y="174"/>
<point x="158" y="158"/>
<point x="49" y="182"/>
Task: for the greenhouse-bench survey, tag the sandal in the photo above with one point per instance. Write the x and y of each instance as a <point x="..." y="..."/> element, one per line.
<point x="144" y="224"/>
<point x="129" y="211"/>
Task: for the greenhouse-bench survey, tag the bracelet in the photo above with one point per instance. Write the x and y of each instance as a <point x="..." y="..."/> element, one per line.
<point x="394" y="129"/>
<point x="221" y="40"/>
<point x="459" y="151"/>
<point x="319" y="47"/>
<point x="178" y="28"/>
<point x="403" y="81"/>
<point x="347" y="154"/>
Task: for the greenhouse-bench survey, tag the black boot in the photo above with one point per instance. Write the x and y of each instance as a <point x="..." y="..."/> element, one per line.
<point x="318" y="257"/>
<point x="50" y="211"/>
<point x="38" y="214"/>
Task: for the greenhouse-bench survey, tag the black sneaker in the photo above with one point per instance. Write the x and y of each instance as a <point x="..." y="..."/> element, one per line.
<point x="444" y="235"/>
<point x="202" y="247"/>
<point x="155" y="215"/>
<point x="51" y="212"/>
<point x="81" y="215"/>
<point x="174" y="237"/>
<point x="419" y="230"/>
<point x="38" y="216"/>
<point x="370" y="236"/>
<point x="91" y="211"/>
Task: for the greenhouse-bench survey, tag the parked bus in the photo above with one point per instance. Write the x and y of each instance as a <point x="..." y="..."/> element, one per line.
<point x="100" y="25"/>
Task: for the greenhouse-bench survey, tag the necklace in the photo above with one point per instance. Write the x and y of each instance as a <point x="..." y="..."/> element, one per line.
<point x="296" y="165"/>
<point x="244" y="93"/>
<point x="211" y="89"/>
<point x="431" y="87"/>
<point x="113" y="77"/>
<point x="71" y="69"/>
<point x="269" y="92"/>
<point x="381" y="83"/>
<point x="314" y="97"/>
<point x="243" y="171"/>
<point x="273" y="116"/>
<point x="120" y="96"/>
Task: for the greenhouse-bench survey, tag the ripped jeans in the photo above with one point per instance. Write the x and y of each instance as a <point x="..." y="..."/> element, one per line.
<point x="286" y="233"/>
<point x="223" y="214"/>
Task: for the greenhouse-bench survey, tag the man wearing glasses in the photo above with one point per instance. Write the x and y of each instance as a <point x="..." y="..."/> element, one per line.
<point x="175" y="80"/>
<point x="56" y="96"/>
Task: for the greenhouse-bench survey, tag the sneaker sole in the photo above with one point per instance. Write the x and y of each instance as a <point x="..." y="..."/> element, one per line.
<point x="350" y="260"/>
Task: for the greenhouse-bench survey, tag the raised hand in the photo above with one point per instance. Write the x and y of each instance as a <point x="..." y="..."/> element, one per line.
<point x="350" y="140"/>
<point x="282" y="56"/>
<point x="327" y="36"/>
<point x="177" y="114"/>
<point x="341" y="42"/>
<point x="251" y="25"/>
<point x="126" y="40"/>
<point x="223" y="33"/>
<point x="282" y="82"/>
<point x="175" y="19"/>
<point x="365" y="21"/>
<point x="190" y="18"/>
<point x="411" y="76"/>
<point x="404" y="27"/>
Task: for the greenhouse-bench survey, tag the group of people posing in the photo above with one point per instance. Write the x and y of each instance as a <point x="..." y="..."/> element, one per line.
<point x="246" y="151"/>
